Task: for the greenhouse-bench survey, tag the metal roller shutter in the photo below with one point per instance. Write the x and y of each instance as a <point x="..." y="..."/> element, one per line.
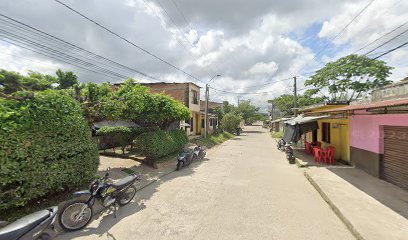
<point x="395" y="164"/>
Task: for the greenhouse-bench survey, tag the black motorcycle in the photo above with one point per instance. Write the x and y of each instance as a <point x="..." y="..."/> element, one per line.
<point x="281" y="145"/>
<point x="184" y="159"/>
<point x="78" y="213"/>
<point x="239" y="130"/>
<point x="199" y="152"/>
<point x="289" y="153"/>
<point x="31" y="226"/>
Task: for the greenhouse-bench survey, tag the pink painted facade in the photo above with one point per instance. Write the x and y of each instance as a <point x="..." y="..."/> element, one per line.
<point x="366" y="131"/>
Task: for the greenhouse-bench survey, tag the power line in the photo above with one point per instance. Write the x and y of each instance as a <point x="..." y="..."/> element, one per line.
<point x="391" y="50"/>
<point x="386" y="42"/>
<point x="26" y="34"/>
<point x="126" y="40"/>
<point x="190" y="28"/>
<point x="186" y="43"/>
<point x="382" y="36"/>
<point x="343" y="29"/>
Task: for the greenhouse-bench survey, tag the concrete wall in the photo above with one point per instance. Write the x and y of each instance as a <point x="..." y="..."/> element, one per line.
<point x="193" y="106"/>
<point x="367" y="130"/>
<point x="367" y="139"/>
<point x="339" y="137"/>
<point x="393" y="91"/>
<point x="368" y="161"/>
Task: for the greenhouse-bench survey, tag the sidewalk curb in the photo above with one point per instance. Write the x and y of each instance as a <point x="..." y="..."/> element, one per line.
<point x="335" y="209"/>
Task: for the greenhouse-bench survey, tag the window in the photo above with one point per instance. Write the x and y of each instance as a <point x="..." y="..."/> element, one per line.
<point x="191" y="124"/>
<point x="195" y="97"/>
<point x="202" y="123"/>
<point x="326" y="132"/>
<point x="211" y="121"/>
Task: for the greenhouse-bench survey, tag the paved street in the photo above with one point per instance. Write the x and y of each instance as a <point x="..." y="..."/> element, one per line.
<point x="244" y="190"/>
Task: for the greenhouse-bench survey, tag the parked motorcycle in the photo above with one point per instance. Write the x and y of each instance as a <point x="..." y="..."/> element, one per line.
<point x="239" y="130"/>
<point x="289" y="153"/>
<point x="281" y="145"/>
<point x="184" y="158"/>
<point x="31" y="226"/>
<point x="78" y="213"/>
<point x="199" y="153"/>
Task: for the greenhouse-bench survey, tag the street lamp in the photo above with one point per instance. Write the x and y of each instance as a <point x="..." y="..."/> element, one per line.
<point x="207" y="95"/>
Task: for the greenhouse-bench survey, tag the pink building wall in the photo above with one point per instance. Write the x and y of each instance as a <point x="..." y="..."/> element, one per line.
<point x="366" y="131"/>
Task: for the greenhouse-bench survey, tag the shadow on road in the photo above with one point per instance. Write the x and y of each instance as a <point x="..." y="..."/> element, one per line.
<point x="106" y="218"/>
<point x="253" y="131"/>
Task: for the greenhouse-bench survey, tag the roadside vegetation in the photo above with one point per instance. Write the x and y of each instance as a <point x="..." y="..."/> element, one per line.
<point x="214" y="139"/>
<point x="342" y="81"/>
<point x="277" y="135"/>
<point x="47" y="150"/>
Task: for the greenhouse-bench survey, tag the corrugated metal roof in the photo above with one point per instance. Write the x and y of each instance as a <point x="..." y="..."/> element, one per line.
<point x="281" y="120"/>
<point x="382" y="104"/>
<point x="304" y="119"/>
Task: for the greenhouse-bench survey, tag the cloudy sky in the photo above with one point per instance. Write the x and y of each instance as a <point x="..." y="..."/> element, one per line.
<point x="255" y="45"/>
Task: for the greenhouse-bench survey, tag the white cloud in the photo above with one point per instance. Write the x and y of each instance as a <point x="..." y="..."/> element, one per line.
<point x="245" y="41"/>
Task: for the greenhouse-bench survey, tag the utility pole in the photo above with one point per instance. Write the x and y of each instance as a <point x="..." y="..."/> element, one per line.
<point x="295" y="95"/>
<point x="238" y="100"/>
<point x="207" y="96"/>
<point x="206" y="110"/>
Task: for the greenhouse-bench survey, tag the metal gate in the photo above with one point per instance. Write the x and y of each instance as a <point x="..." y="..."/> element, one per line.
<point x="395" y="163"/>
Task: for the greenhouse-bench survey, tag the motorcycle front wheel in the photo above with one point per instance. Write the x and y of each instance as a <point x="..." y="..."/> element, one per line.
<point x="127" y="196"/>
<point x="76" y="215"/>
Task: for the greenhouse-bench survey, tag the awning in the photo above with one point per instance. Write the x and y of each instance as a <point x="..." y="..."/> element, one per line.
<point x="296" y="127"/>
<point x="280" y="120"/>
<point x="304" y="119"/>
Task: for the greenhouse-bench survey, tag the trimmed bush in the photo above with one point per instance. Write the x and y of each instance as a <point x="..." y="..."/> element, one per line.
<point x="161" y="143"/>
<point x="46" y="147"/>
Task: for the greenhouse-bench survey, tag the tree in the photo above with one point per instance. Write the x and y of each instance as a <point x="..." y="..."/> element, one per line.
<point x="66" y="79"/>
<point x="285" y="102"/>
<point x="246" y="110"/>
<point x="349" y="78"/>
<point x="12" y="82"/>
<point x="134" y="102"/>
<point x="93" y="97"/>
<point x="230" y="122"/>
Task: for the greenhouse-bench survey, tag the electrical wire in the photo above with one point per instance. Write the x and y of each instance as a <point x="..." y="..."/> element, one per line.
<point x="391" y="50"/>
<point x="24" y="33"/>
<point x="343" y="29"/>
<point x="126" y="40"/>
<point x="386" y="42"/>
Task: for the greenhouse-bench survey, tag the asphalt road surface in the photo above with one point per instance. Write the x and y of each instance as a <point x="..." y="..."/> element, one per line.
<point x="245" y="189"/>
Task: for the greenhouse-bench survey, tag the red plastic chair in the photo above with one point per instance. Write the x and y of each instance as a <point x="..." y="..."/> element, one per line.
<point x="330" y="154"/>
<point x="316" y="154"/>
<point x="323" y="156"/>
<point x="308" y="147"/>
<point x="319" y="144"/>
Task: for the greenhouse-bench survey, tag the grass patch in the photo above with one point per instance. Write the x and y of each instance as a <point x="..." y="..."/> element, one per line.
<point x="278" y="135"/>
<point x="214" y="139"/>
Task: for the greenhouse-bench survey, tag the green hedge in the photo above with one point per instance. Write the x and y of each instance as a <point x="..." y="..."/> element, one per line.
<point x="46" y="147"/>
<point x="161" y="143"/>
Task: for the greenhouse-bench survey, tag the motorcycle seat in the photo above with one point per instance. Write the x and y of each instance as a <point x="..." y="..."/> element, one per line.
<point x="124" y="182"/>
<point x="23" y="225"/>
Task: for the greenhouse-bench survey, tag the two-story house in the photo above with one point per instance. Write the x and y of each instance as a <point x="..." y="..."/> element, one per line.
<point x="213" y="122"/>
<point x="187" y="93"/>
